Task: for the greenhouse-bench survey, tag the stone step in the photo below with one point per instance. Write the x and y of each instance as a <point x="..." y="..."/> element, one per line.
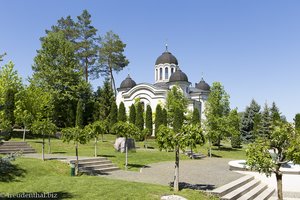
<point x="97" y="167"/>
<point x="265" y="195"/>
<point x="15" y="148"/>
<point x="104" y="170"/>
<point x="225" y="189"/>
<point x="94" y="163"/>
<point x="87" y="160"/>
<point x="13" y="151"/>
<point x="13" y="143"/>
<point x="235" y="194"/>
<point x="254" y="192"/>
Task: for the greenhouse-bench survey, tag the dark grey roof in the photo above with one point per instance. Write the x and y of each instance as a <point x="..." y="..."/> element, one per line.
<point x="166" y="57"/>
<point x="178" y="76"/>
<point x="127" y="83"/>
<point x="202" y="85"/>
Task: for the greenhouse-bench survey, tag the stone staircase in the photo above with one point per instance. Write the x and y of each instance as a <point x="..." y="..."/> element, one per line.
<point x="12" y="147"/>
<point x="95" y="166"/>
<point x="244" y="188"/>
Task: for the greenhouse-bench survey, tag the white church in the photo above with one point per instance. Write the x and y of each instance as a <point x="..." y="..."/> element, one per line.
<point x="166" y="75"/>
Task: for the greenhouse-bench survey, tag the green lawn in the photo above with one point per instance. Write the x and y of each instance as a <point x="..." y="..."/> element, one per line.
<point x="53" y="176"/>
<point x="136" y="159"/>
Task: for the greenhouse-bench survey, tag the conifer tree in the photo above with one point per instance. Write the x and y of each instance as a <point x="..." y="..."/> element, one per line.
<point x="79" y="114"/>
<point x="275" y="114"/>
<point x="265" y="122"/>
<point x="257" y="129"/>
<point x="149" y="121"/>
<point x="113" y="116"/>
<point x="132" y="114"/>
<point x="196" y="116"/>
<point x="122" y="113"/>
<point x="104" y="97"/>
<point x="164" y="117"/>
<point x="297" y="122"/>
<point x="139" y="120"/>
<point x="158" y="117"/>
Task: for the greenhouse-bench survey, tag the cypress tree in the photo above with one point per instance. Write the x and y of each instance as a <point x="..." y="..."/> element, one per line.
<point x="139" y="120"/>
<point x="132" y="114"/>
<point x="113" y="115"/>
<point x="9" y="106"/>
<point x="178" y="119"/>
<point x="297" y="121"/>
<point x="265" y="122"/>
<point x="196" y="116"/>
<point x="122" y="113"/>
<point x="149" y="121"/>
<point x="164" y="117"/>
<point x="158" y="117"/>
<point x="79" y="114"/>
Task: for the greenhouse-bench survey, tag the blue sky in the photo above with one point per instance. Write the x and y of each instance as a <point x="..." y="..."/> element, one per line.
<point x="251" y="47"/>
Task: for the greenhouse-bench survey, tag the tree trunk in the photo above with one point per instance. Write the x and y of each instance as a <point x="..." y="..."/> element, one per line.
<point x="49" y="143"/>
<point x="86" y="70"/>
<point x="95" y="147"/>
<point x="76" y="164"/>
<point x="112" y="80"/>
<point x="43" y="147"/>
<point x="101" y="137"/>
<point x="209" y="149"/>
<point x="126" y="152"/>
<point x="176" y="177"/>
<point x="279" y="184"/>
<point x="24" y="132"/>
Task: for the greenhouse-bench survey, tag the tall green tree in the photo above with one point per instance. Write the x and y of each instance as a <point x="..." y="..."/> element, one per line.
<point x="87" y="43"/>
<point x="122" y="113"/>
<point x="126" y="130"/>
<point x="275" y="113"/>
<point x="113" y="116"/>
<point x="266" y="122"/>
<point x="111" y="57"/>
<point x="9" y="106"/>
<point x="56" y="70"/>
<point x="247" y="123"/>
<point x="195" y="116"/>
<point x="234" y="128"/>
<point x="216" y="112"/>
<point x="79" y="114"/>
<point x="132" y="114"/>
<point x="297" y="121"/>
<point x="257" y="126"/>
<point x="284" y="144"/>
<point x="164" y="116"/>
<point x="149" y="120"/>
<point x="158" y="117"/>
<point x="139" y="119"/>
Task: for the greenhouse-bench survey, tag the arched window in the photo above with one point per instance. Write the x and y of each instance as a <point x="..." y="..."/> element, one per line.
<point x="172" y="70"/>
<point x="156" y="74"/>
<point x="160" y="73"/>
<point x="166" y="73"/>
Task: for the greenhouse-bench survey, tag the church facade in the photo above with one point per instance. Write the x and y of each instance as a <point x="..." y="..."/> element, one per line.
<point x="166" y="75"/>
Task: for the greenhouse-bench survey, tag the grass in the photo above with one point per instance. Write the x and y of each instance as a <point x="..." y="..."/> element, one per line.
<point x="53" y="176"/>
<point x="136" y="159"/>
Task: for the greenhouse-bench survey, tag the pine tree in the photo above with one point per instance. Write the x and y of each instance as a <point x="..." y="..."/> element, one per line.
<point x="113" y="116"/>
<point x="158" y="117"/>
<point x="265" y="122"/>
<point x="105" y="97"/>
<point x="132" y="114"/>
<point x="275" y="114"/>
<point x="139" y="120"/>
<point x="122" y="113"/>
<point x="248" y="121"/>
<point x="234" y="128"/>
<point x="149" y="121"/>
<point x="196" y="116"/>
<point x="79" y="114"/>
<point x="257" y="129"/>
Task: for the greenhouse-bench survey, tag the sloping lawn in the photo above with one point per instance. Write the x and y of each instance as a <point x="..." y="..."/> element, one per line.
<point x="53" y="177"/>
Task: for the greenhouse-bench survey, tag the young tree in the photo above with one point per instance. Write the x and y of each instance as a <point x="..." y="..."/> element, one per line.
<point x="43" y="127"/>
<point x="267" y="156"/>
<point x="149" y="121"/>
<point x="247" y="121"/>
<point x="195" y="116"/>
<point x="234" y="128"/>
<point x="122" y="113"/>
<point x="216" y="112"/>
<point x="158" y="118"/>
<point x="111" y="57"/>
<point x="95" y="130"/>
<point x="126" y="130"/>
<point x="139" y="119"/>
<point x="113" y="116"/>
<point x="132" y="114"/>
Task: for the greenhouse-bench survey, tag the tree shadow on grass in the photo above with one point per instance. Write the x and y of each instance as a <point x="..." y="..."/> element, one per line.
<point x="40" y="195"/>
<point x="137" y="166"/>
<point x="59" y="152"/>
<point x="9" y="172"/>
<point x="184" y="185"/>
<point x="215" y="156"/>
<point x="106" y="156"/>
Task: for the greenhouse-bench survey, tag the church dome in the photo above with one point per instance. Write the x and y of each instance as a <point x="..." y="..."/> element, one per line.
<point x="202" y="85"/>
<point x="127" y="83"/>
<point x="178" y="76"/>
<point x="166" y="57"/>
